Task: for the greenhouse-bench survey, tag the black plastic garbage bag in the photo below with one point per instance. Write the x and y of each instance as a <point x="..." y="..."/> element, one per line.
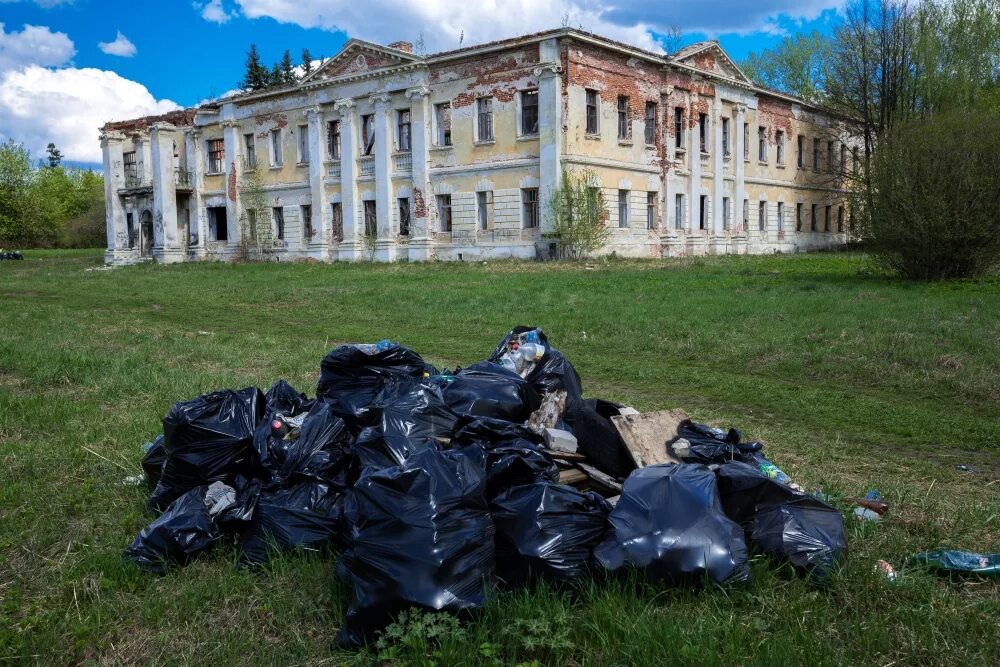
<point x="670" y="524"/>
<point x="552" y="372"/>
<point x="193" y="523"/>
<point x="422" y="537"/>
<point x="490" y="390"/>
<point x="153" y="460"/>
<point x="282" y="398"/>
<point x="207" y="439"/>
<point x="307" y="514"/>
<point x="352" y="375"/>
<point x="713" y="445"/>
<point x="320" y="446"/>
<point x="510" y="453"/>
<point x="782" y="522"/>
<point x="546" y="530"/>
<point x="598" y="439"/>
<point x="408" y="416"/>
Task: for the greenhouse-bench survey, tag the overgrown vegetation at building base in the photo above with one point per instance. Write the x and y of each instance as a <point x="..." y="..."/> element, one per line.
<point x="857" y="382"/>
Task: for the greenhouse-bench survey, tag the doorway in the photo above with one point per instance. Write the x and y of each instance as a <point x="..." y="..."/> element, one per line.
<point x="146" y="234"/>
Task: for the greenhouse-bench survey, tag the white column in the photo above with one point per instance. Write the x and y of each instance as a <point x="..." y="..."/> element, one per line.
<point x="550" y="132"/>
<point x="386" y="242"/>
<point x="694" y="155"/>
<point x="317" y="187"/>
<point x="739" y="193"/>
<point x="420" y="247"/>
<point x="196" y="165"/>
<point x="165" y="230"/>
<point x="144" y="155"/>
<point x="231" y="137"/>
<point x="666" y="170"/>
<point x="351" y="247"/>
<point x="719" y="178"/>
<point x="112" y="146"/>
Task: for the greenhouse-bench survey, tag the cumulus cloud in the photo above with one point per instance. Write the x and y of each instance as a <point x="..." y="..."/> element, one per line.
<point x="34" y="45"/>
<point x="34" y="104"/>
<point x="443" y="22"/>
<point x="214" y="11"/>
<point x="121" y="46"/>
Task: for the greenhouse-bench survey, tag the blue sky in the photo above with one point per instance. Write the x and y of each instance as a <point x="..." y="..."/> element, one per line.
<point x="68" y="65"/>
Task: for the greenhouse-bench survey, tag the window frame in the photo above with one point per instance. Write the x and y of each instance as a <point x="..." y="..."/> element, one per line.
<point x="800" y="208"/>
<point x="530" y="208"/>
<point x="623" y="212"/>
<point x="649" y="130"/>
<point x="276" y="148"/>
<point x="303" y="145"/>
<point x="525" y="125"/>
<point x="762" y="144"/>
<point x="624" y="122"/>
<point x="442" y="124"/>
<point x="652" y="202"/>
<point x="679" y="128"/>
<point x="762" y="216"/>
<point x="444" y="211"/>
<point x="726" y="139"/>
<point x="404" y="212"/>
<point x="369" y="208"/>
<point x="337" y="220"/>
<point x="216" y="155"/>
<point x="367" y="129"/>
<point x="779" y="142"/>
<point x="404" y="131"/>
<point x="305" y="215"/>
<point x="250" y="151"/>
<point x="484" y="210"/>
<point x="679" y="210"/>
<point x="485" y="131"/>
<point x="781" y="216"/>
<point x="801" y="162"/>
<point x="278" y="216"/>
<point x="726" y="206"/>
<point x="333" y="139"/>
<point x="746" y="142"/>
<point x="592" y="112"/>
<point x="703" y="139"/>
<point x="702" y="212"/>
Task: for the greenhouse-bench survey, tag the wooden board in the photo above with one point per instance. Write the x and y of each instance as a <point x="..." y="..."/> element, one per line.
<point x="572" y="477"/>
<point x="646" y="435"/>
<point x="602" y="479"/>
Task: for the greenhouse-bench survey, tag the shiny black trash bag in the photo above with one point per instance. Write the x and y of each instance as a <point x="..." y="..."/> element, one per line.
<point x="487" y="389"/>
<point x="510" y="453"/>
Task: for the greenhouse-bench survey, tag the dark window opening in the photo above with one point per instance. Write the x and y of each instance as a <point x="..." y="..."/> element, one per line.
<point x="442" y="117"/>
<point x="403" y="130"/>
<point x="678" y="127"/>
<point x="404" y="216"/>
<point x="307" y="224"/>
<point x="337" y="220"/>
<point x="703" y="132"/>
<point x="371" y="219"/>
<point x="278" y="213"/>
<point x="650" y="123"/>
<point x="368" y="133"/>
<point x="624" y="126"/>
<point x="444" y="212"/>
<point x="592" y="113"/>
<point x="529" y="203"/>
<point x="333" y="139"/>
<point x="218" y="226"/>
<point x="529" y="112"/>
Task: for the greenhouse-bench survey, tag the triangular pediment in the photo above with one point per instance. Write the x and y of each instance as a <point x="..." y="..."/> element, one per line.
<point x="360" y="57"/>
<point x="710" y="57"/>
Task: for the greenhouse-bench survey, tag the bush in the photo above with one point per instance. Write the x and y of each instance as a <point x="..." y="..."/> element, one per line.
<point x="932" y="210"/>
<point x="579" y="215"/>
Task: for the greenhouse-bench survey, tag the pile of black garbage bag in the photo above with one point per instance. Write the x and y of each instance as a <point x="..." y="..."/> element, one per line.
<point x="434" y="490"/>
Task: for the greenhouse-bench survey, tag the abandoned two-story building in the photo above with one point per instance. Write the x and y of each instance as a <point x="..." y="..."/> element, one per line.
<point x="387" y="154"/>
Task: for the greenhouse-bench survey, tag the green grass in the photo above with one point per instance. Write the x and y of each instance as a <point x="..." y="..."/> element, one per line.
<point x="854" y="380"/>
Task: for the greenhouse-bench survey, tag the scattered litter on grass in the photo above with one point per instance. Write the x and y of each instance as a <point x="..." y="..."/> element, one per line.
<point x="10" y="255"/>
<point x="102" y="267"/>
<point x="958" y="562"/>
<point x="885" y="568"/>
<point x="965" y="468"/>
<point x="439" y="484"/>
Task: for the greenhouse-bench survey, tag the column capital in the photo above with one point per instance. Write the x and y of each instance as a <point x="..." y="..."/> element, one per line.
<point x="667" y="90"/>
<point x="417" y="92"/>
<point x="741" y="109"/>
<point x="111" y="136"/>
<point x="229" y="124"/>
<point x="380" y="100"/>
<point x="547" y="70"/>
<point x="343" y="107"/>
<point x="314" y="112"/>
<point x="193" y="132"/>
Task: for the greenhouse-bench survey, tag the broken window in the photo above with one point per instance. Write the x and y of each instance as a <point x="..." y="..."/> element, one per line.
<point x="216" y="155"/>
<point x="368" y="133"/>
<point x="529" y="207"/>
<point x="725" y="137"/>
<point x="762" y="216"/>
<point x="762" y="143"/>
<point x="802" y="151"/>
<point x="781" y="216"/>
<point x="624" y="126"/>
<point x="840" y="219"/>
<point x="444" y="213"/>
<point x="333" y="139"/>
<point x="815" y="215"/>
<point x="703" y="132"/>
<point x="592" y="112"/>
<point x="623" y="208"/>
<point x="307" y="223"/>
<point x="249" y="146"/>
<point x="371" y="218"/>
<point x="218" y="227"/>
<point x="484" y="114"/>
<point x="442" y="120"/>
<point x="798" y="216"/>
<point x="650" y="210"/>
<point x="131" y="168"/>
<point x="403" y="130"/>
<point x="529" y="112"/>
<point x="130" y="229"/>
<point x="816" y="155"/>
<point x="278" y="214"/>
<point x="679" y="211"/>
<point x="404" y="216"/>
<point x="703" y="212"/>
<point x="337" y="220"/>
<point x="277" y="158"/>
<point x="678" y="127"/>
<point x="303" y="144"/>
<point x="650" y="123"/>
<point x="484" y="204"/>
<point x="779" y="140"/>
<point x="828" y="209"/>
<point x="725" y="212"/>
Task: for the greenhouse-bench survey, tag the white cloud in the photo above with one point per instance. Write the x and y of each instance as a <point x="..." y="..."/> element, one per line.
<point x="120" y="47"/>
<point x="67" y="106"/>
<point x="34" y="45"/>
<point x="214" y="11"/>
<point x="442" y="22"/>
<point x="44" y="3"/>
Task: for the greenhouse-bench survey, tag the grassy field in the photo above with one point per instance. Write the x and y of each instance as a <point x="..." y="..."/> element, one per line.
<point x="855" y="381"/>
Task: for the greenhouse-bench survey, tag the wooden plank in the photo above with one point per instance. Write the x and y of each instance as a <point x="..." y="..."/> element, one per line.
<point x="602" y="479"/>
<point x="646" y="435"/>
<point x="572" y="477"/>
<point x="565" y="456"/>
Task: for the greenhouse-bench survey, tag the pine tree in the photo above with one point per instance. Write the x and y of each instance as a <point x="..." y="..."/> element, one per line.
<point x="276" y="77"/>
<point x="255" y="77"/>
<point x="288" y="69"/>
<point x="307" y="63"/>
<point x="55" y="156"/>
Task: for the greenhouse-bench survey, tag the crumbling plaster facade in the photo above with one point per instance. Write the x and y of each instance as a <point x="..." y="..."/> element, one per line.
<point x="735" y="182"/>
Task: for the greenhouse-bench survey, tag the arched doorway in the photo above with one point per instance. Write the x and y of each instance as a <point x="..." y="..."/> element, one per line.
<point x="146" y="234"/>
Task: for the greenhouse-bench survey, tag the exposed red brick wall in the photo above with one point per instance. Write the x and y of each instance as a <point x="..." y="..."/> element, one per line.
<point x="491" y="74"/>
<point x="774" y="115"/>
<point x="269" y="121"/>
<point x="180" y="118"/>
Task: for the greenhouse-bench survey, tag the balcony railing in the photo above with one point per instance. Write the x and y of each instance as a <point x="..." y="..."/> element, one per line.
<point x="183" y="179"/>
<point x="403" y="163"/>
<point x="134" y="180"/>
<point x="333" y="169"/>
<point x="366" y="165"/>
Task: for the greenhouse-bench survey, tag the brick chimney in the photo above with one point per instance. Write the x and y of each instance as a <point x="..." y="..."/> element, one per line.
<point x="402" y="46"/>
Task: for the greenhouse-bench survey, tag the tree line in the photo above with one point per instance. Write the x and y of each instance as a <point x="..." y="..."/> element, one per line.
<point x="918" y="82"/>
<point x="47" y="205"/>
<point x="258" y="77"/>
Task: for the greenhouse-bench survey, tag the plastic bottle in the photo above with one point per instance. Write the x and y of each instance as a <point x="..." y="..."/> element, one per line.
<point x="770" y="470"/>
<point x="532" y="336"/>
<point x="532" y="351"/>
